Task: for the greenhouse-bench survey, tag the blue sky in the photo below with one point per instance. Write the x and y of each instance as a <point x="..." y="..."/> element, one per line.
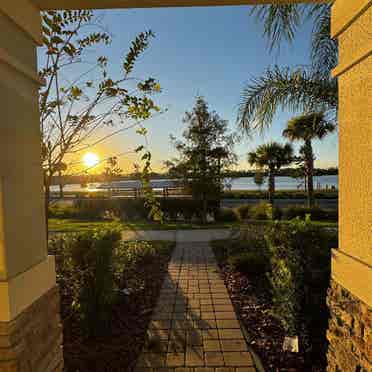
<point x="201" y="51"/>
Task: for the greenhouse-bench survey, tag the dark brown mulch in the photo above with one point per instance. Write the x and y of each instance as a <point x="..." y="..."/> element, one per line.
<point x="120" y="348"/>
<point x="252" y="302"/>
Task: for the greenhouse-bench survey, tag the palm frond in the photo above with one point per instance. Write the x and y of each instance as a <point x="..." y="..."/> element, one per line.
<point x="324" y="49"/>
<point x="296" y="91"/>
<point x="280" y="22"/>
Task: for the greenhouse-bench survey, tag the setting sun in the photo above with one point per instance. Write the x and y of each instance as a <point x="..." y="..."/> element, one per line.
<point x="90" y="159"/>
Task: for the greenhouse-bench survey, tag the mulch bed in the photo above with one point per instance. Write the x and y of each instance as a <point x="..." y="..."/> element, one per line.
<point x="252" y="302"/>
<point x="120" y="348"/>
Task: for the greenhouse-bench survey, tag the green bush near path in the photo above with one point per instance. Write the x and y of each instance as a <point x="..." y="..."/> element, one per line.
<point x="292" y="262"/>
<point x="95" y="269"/>
<point x="228" y="215"/>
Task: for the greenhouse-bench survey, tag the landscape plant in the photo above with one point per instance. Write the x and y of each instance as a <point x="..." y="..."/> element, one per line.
<point x="87" y="262"/>
<point x="108" y="289"/>
<point x="228" y="215"/>
<point x="205" y="152"/>
<point x="306" y="128"/>
<point x="300" y="257"/>
<point x="244" y="211"/>
<point x="72" y="111"/>
<point x="271" y="156"/>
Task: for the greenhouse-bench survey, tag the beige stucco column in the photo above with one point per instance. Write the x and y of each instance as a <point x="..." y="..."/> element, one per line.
<point x="29" y="323"/>
<point x="352" y="26"/>
<point x="350" y="297"/>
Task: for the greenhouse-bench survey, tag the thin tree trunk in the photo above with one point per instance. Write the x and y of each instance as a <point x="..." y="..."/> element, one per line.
<point x="271" y="186"/>
<point x="219" y="184"/>
<point x="46" y="203"/>
<point x="60" y="185"/>
<point x="310" y="173"/>
<point x="205" y="206"/>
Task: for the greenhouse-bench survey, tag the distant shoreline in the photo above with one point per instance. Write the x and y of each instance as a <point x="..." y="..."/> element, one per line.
<point x="92" y="178"/>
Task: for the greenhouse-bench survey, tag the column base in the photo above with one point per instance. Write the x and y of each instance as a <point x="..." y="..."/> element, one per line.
<point x="32" y="341"/>
<point x="349" y="332"/>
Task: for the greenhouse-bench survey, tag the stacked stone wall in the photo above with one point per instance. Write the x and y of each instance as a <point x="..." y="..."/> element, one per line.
<point x="349" y="332"/>
<point x="32" y="341"/>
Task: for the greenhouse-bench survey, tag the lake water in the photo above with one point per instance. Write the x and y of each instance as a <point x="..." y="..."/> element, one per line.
<point x="246" y="183"/>
<point x="284" y="183"/>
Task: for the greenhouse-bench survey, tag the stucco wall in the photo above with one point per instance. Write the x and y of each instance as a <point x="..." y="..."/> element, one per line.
<point x="355" y="141"/>
<point x="22" y="224"/>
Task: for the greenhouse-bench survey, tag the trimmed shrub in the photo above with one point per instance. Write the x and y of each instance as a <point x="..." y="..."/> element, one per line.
<point x="186" y="208"/>
<point x="86" y="267"/>
<point x="61" y="211"/>
<point x="247" y="243"/>
<point x="131" y="209"/>
<point x="94" y="209"/>
<point x="265" y="211"/>
<point x="227" y="215"/>
<point x="244" y="211"/>
<point x="250" y="262"/>
<point x="316" y="213"/>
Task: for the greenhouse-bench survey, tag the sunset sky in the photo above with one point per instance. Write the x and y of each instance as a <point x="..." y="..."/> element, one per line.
<point x="199" y="51"/>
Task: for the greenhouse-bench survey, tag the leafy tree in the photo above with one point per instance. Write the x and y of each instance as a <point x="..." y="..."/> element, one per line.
<point x="306" y="89"/>
<point x="271" y="156"/>
<point x="307" y="128"/>
<point x="259" y="179"/>
<point x="74" y="108"/>
<point x="205" y="152"/>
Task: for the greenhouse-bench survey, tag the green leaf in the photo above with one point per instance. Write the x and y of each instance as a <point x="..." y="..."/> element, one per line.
<point x="76" y="92"/>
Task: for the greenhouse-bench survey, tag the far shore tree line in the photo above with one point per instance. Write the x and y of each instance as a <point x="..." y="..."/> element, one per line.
<point x="82" y="179"/>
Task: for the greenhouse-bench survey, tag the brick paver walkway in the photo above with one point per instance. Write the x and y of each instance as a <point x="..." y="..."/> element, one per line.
<point x="194" y="327"/>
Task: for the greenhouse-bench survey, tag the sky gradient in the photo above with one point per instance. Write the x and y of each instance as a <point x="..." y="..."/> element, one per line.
<point x="201" y="51"/>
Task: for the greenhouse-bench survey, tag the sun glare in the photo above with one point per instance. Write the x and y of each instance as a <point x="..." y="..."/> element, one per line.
<point x="90" y="159"/>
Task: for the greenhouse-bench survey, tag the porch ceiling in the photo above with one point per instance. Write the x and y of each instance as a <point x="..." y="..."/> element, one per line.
<point x="111" y="4"/>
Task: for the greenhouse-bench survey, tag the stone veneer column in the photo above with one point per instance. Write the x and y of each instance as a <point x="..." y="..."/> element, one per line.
<point x="30" y="331"/>
<point x="350" y="295"/>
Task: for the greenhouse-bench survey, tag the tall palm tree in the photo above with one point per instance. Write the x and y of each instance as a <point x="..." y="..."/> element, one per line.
<point x="271" y="156"/>
<point x="305" y="89"/>
<point x="307" y="128"/>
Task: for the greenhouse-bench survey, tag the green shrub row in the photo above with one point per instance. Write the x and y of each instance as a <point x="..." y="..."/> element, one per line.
<point x="279" y="194"/>
<point x="188" y="209"/>
<point x="264" y="211"/>
<point x="131" y="209"/>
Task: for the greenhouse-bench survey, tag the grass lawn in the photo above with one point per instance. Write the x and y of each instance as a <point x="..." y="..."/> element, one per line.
<point x="72" y="225"/>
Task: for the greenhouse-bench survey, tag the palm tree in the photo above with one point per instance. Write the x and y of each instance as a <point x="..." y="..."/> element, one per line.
<point x="271" y="156"/>
<point x="305" y="89"/>
<point x="306" y="128"/>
